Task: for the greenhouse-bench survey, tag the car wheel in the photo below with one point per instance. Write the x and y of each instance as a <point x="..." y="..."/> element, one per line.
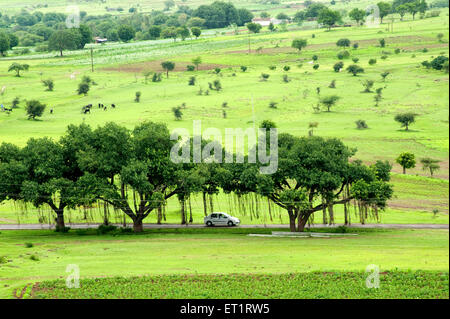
<point x="230" y="223"/>
<point x="208" y="223"/>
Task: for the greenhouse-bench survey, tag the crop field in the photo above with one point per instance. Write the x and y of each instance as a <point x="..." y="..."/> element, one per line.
<point x="182" y="255"/>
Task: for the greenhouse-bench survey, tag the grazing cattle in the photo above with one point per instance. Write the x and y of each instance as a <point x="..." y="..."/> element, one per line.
<point x="86" y="109"/>
<point x="105" y="108"/>
<point x="7" y="109"/>
<point x="113" y="106"/>
<point x="51" y="111"/>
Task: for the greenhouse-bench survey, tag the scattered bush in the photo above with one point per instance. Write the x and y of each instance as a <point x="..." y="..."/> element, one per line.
<point x="361" y="124"/>
<point x="137" y="97"/>
<point x="338" y="66"/>
<point x="265" y="76"/>
<point x="49" y="84"/>
<point x="343" y="55"/>
<point x="190" y="68"/>
<point x="372" y="61"/>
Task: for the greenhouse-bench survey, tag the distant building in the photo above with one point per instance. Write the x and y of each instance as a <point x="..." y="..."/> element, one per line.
<point x="264" y="22"/>
<point x="100" y="40"/>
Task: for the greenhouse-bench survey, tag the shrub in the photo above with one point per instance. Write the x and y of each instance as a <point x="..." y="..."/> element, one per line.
<point x="272" y="67"/>
<point x="83" y="88"/>
<point x="191" y="80"/>
<point x="217" y="70"/>
<point x="273" y="105"/>
<point x="355" y="60"/>
<point x="332" y="84"/>
<point x="316" y="66"/>
<point x="338" y="66"/>
<point x="104" y="229"/>
<point x="157" y="77"/>
<point x="355" y="69"/>
<point x="190" y="68"/>
<point x="382" y="42"/>
<point x="217" y="85"/>
<point x="355" y="46"/>
<point x="361" y="124"/>
<point x="34" y="258"/>
<point x="343" y="43"/>
<point x="397" y="51"/>
<point x="265" y="76"/>
<point x="49" y="84"/>
<point x="372" y="61"/>
<point x="29" y="245"/>
<point x="384" y="57"/>
<point x="343" y="55"/>
<point x="137" y="97"/>
<point x="286" y="78"/>
<point x="286" y="68"/>
<point x="15" y="102"/>
<point x="34" y="109"/>
<point x="243" y="68"/>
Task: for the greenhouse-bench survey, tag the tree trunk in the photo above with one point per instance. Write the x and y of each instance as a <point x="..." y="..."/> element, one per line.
<point x="159" y="215"/>
<point x="211" y="205"/>
<point x="270" y="209"/>
<point x="404" y="170"/>
<point x="331" y="213"/>
<point x="345" y="214"/>
<point x="324" y="213"/>
<point x="183" y="214"/>
<point x="205" y="207"/>
<point x="105" y="214"/>
<point x="60" y="221"/>
<point x="291" y="221"/>
<point x="138" y="227"/>
<point x="191" y="219"/>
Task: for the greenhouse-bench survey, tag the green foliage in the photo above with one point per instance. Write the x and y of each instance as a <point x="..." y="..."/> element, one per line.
<point x="34" y="109"/>
<point x="406" y="119"/>
<point x="18" y="67"/>
<point x="126" y="32"/>
<point x="168" y="66"/>
<point x="361" y="125"/>
<point x="49" y="84"/>
<point x="329" y="101"/>
<point x="355" y="69"/>
<point x="406" y="160"/>
<point x="338" y="66"/>
<point x="299" y="44"/>
<point x="430" y="164"/>
<point x="137" y="97"/>
<point x="320" y="285"/>
<point x="343" y="43"/>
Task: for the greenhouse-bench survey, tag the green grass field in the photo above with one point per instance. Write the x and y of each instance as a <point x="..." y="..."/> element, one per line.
<point x="221" y="252"/>
<point x="119" y="72"/>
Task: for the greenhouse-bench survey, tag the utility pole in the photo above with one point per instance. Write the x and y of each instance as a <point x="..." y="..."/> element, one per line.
<point x="92" y="59"/>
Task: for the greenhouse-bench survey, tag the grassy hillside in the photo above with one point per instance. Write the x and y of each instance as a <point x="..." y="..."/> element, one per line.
<point x="119" y="70"/>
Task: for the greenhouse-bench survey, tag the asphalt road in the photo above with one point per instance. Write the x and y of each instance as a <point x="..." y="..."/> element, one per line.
<point x="155" y="226"/>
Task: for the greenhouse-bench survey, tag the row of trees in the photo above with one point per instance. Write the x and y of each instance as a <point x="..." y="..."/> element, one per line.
<point x="131" y="170"/>
<point x="37" y="28"/>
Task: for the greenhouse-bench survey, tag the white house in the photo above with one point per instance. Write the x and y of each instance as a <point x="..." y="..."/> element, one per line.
<point x="264" y="22"/>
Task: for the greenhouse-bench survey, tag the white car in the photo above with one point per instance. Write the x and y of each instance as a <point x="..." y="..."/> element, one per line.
<point x="221" y="219"/>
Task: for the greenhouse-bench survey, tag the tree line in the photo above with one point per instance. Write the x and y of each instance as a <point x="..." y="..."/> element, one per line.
<point x="131" y="171"/>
